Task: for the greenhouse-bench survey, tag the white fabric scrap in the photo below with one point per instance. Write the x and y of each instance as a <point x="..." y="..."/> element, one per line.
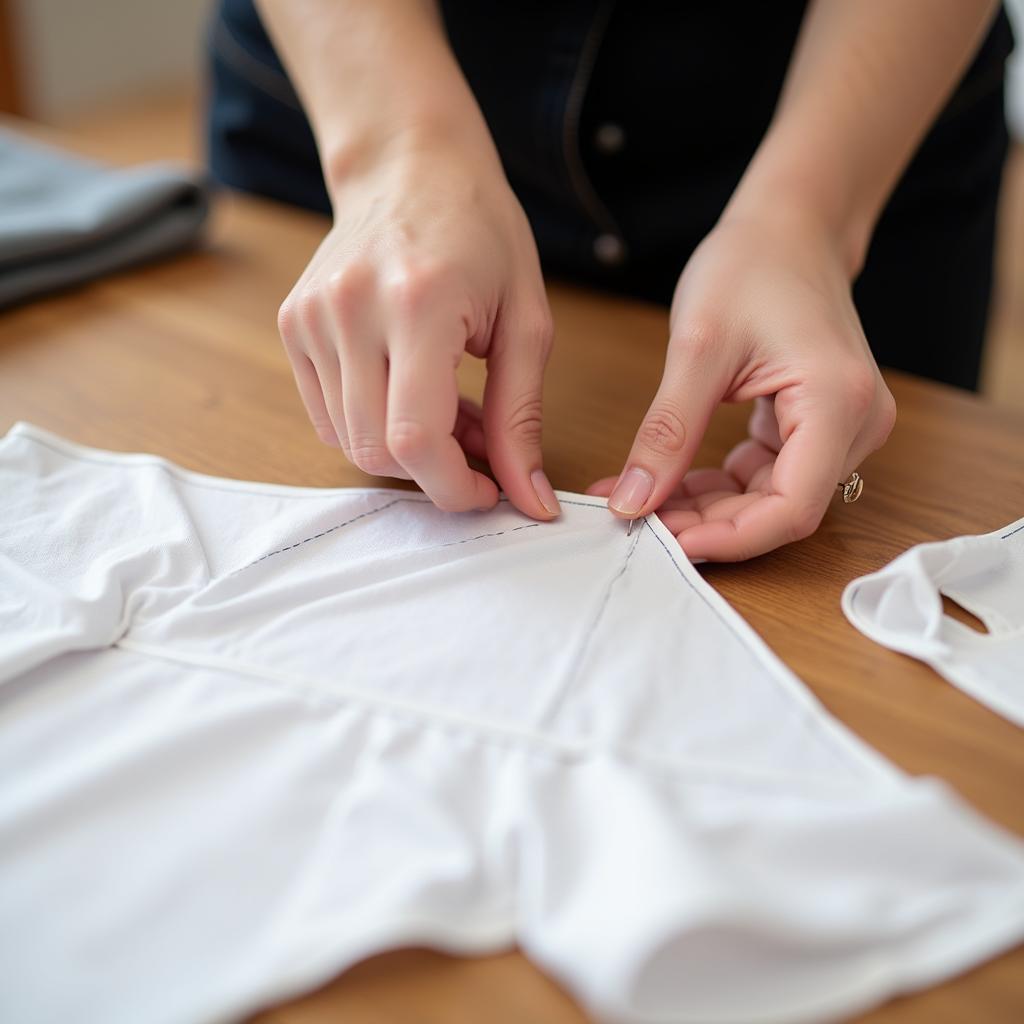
<point x="900" y="607"/>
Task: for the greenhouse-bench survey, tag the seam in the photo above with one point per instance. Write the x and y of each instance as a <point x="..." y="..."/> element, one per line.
<point x="707" y="603"/>
<point x="338" y="695"/>
<point x="195" y="479"/>
<point x="322" y="533"/>
<point x="364" y="515"/>
<point x="1012" y="532"/>
<point x="187" y="477"/>
<point x="551" y="702"/>
<point x="480" y="536"/>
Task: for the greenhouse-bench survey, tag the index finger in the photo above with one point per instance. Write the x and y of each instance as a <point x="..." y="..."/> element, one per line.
<point x="423" y="404"/>
<point x="792" y="501"/>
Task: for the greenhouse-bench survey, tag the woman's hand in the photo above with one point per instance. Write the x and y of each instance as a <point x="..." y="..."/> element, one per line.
<point x="430" y="256"/>
<point x="762" y="311"/>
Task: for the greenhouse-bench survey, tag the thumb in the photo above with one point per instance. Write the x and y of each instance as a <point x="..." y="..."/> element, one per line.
<point x="512" y="408"/>
<point x="669" y="436"/>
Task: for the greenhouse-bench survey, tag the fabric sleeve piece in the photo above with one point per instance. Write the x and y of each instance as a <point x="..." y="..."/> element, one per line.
<point x="900" y="607"/>
<point x="84" y="549"/>
<point x="756" y="906"/>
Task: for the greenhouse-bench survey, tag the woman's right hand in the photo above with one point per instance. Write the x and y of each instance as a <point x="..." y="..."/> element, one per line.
<point x="430" y="256"/>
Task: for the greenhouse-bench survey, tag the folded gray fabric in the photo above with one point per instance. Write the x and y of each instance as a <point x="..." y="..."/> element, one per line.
<point x="65" y="220"/>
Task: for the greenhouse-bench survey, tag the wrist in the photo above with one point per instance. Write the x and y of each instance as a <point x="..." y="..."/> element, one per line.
<point x="799" y="197"/>
<point x="350" y="153"/>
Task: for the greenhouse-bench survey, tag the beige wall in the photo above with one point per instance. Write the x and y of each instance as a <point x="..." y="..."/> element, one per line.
<point x="76" y="54"/>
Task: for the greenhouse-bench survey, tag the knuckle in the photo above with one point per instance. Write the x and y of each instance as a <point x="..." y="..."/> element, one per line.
<point x="540" y="332"/>
<point x="663" y="431"/>
<point x="805" y="520"/>
<point x="324" y="428"/>
<point x="413" y="287"/>
<point x="348" y="287"/>
<point x="451" y="504"/>
<point x="370" y="455"/>
<point x="286" y="319"/>
<point x="407" y="440"/>
<point x="307" y="313"/>
<point x="886" y="416"/>
<point x="699" y="337"/>
<point x="859" y="384"/>
<point x="525" y="419"/>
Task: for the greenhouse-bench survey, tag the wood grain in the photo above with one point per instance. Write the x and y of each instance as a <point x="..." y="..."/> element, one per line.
<point x="182" y="359"/>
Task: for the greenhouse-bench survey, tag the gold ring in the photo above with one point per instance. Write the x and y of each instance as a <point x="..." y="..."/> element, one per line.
<point x="852" y="488"/>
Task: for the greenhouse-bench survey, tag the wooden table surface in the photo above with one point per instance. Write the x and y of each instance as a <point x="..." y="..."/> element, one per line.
<point x="182" y="359"/>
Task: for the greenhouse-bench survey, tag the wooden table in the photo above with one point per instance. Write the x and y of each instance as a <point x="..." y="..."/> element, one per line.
<point x="182" y="359"/>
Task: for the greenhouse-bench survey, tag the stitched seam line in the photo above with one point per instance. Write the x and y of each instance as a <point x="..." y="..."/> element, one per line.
<point x="480" y="536"/>
<point x="169" y="469"/>
<point x="487" y="730"/>
<point x="364" y="515"/>
<point x="1012" y="532"/>
<point x="128" y="461"/>
<point x="317" y="536"/>
<point x="551" y="703"/>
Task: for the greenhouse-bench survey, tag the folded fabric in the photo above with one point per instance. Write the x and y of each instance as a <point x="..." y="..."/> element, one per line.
<point x="65" y="220"/>
<point x="900" y="607"/>
<point x="251" y="734"/>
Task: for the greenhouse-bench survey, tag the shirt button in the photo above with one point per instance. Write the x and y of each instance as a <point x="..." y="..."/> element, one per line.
<point x="609" y="250"/>
<point x="609" y="138"/>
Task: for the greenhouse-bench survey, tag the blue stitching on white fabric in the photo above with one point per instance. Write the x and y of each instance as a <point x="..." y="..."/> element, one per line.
<point x="480" y="536"/>
<point x="363" y="515"/>
<point x="551" y="704"/>
<point x="322" y="533"/>
<point x="689" y="583"/>
<point x="1012" y="532"/>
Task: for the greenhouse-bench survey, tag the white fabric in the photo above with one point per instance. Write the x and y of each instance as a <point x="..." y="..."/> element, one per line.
<point x="900" y="607"/>
<point x="250" y="734"/>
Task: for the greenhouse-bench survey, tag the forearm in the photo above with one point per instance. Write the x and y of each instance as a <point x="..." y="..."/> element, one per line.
<point x="374" y="78"/>
<point x="866" y="80"/>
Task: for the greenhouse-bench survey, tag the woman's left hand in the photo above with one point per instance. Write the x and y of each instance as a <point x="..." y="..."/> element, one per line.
<point x="762" y="311"/>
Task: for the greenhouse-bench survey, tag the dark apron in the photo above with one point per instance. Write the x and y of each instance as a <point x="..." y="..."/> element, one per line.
<point x="624" y="128"/>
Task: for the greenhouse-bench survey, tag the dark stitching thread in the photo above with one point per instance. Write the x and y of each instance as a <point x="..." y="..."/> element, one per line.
<point x="479" y="536"/>
<point x="322" y="533"/>
<point x="114" y="463"/>
<point x="1012" y="532"/>
<point x="581" y="654"/>
<point x="707" y="603"/>
<point x="169" y="470"/>
<point x="363" y="515"/>
<point x="418" y="501"/>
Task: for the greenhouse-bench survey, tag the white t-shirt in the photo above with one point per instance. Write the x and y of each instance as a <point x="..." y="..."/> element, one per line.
<point x="900" y="607"/>
<point x="251" y="734"/>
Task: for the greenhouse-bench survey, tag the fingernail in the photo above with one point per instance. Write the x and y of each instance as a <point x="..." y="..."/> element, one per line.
<point x="632" y="491"/>
<point x="545" y="494"/>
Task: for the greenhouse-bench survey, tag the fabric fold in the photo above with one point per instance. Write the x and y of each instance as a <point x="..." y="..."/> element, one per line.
<point x="65" y="220"/>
